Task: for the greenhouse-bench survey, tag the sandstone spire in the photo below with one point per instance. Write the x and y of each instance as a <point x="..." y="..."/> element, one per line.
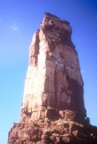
<point x="53" y="110"/>
<point x="53" y="79"/>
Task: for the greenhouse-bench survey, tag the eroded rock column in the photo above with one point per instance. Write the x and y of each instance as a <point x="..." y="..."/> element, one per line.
<point x="53" y="79"/>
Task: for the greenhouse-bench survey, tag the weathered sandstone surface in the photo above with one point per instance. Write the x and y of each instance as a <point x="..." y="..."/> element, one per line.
<point x="53" y="108"/>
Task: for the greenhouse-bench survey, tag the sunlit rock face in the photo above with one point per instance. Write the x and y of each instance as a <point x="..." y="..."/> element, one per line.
<point x="53" y="109"/>
<point x="53" y="81"/>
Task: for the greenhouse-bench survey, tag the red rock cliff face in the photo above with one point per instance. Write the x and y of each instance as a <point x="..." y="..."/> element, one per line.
<point x="53" y="80"/>
<point x="53" y="109"/>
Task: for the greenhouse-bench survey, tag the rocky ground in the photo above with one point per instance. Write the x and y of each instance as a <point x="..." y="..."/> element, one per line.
<point x="52" y="132"/>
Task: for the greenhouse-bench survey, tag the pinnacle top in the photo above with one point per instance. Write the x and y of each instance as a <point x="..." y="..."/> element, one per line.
<point x="57" y="22"/>
<point x="53" y="16"/>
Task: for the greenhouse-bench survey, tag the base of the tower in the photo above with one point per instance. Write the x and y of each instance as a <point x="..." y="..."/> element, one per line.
<point x="52" y="132"/>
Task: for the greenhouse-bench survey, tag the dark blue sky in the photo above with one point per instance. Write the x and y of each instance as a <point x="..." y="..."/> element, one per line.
<point x="19" y="19"/>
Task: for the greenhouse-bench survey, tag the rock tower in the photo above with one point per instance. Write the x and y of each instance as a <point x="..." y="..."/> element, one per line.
<point x="53" y="94"/>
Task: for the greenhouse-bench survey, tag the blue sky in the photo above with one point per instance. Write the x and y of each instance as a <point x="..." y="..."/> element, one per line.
<point x="19" y="19"/>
